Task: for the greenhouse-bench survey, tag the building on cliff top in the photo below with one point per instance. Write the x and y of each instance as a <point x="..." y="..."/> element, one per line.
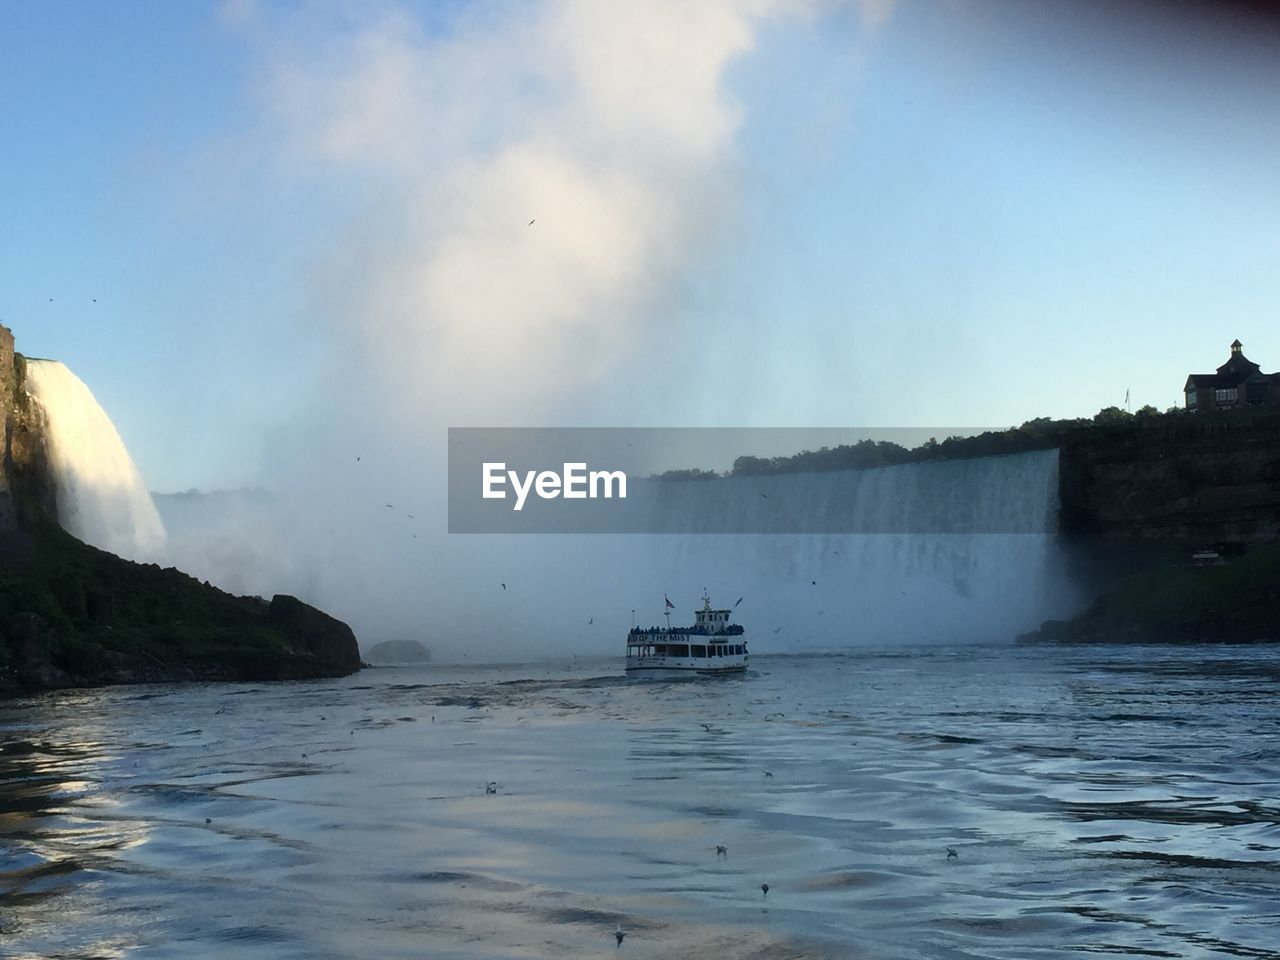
<point x="1238" y="383"/>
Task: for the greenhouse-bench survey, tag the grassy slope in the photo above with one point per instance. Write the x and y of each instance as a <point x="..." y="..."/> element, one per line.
<point x="1238" y="602"/>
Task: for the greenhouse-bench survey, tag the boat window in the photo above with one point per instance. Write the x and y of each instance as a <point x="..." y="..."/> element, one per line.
<point x="699" y="650"/>
<point x="678" y="650"/>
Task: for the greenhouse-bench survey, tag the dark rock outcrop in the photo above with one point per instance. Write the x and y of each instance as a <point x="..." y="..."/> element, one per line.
<point x="317" y="641"/>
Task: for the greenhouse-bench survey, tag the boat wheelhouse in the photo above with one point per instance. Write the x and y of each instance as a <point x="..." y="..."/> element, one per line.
<point x="711" y="646"/>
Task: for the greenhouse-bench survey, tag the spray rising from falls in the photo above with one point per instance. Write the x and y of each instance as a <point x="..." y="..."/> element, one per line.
<point x="101" y="496"/>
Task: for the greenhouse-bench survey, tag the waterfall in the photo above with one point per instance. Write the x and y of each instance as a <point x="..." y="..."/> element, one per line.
<point x="963" y="551"/>
<point x="101" y="496"/>
<point x="955" y="551"/>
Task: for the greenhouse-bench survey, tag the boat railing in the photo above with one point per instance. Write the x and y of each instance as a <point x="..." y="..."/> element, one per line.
<point x="730" y="630"/>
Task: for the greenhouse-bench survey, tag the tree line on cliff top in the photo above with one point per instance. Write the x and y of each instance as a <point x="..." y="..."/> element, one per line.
<point x="1042" y="433"/>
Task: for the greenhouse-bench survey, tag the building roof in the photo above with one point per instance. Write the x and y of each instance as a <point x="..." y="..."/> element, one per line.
<point x="1237" y="370"/>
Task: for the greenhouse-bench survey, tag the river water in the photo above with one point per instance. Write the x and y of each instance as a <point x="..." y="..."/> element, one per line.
<point x="1099" y="801"/>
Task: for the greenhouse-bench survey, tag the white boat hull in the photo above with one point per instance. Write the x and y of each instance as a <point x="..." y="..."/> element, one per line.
<point x="685" y="666"/>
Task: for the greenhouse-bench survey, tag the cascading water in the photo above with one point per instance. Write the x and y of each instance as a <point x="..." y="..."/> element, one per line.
<point x="101" y="496"/>
<point x="983" y="563"/>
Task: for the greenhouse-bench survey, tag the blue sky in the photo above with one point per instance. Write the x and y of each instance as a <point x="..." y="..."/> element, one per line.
<point x="915" y="214"/>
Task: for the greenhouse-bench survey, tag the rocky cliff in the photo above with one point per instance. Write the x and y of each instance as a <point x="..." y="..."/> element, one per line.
<point x="24" y="467"/>
<point x="73" y="615"/>
<point x="1183" y="480"/>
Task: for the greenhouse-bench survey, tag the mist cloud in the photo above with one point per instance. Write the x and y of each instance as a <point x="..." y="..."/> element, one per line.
<point x="531" y="187"/>
<point x="607" y="125"/>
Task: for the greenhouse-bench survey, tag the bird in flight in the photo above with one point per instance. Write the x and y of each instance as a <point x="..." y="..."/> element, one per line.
<point x="534" y="220"/>
<point x="504" y="586"/>
<point x="776" y="629"/>
<point x="951" y="854"/>
<point x="619" y="933"/>
<point x="739" y="601"/>
<point x="765" y="888"/>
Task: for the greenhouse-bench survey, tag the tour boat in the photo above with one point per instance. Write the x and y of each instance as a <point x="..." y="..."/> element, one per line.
<point x="711" y="646"/>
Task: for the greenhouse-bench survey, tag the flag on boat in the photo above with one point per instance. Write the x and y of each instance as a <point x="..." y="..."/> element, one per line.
<point x="670" y="605"/>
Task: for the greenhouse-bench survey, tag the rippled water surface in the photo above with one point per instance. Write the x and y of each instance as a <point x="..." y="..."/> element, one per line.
<point x="1119" y="802"/>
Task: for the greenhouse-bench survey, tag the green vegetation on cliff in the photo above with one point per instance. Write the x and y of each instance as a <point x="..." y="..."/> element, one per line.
<point x="1039" y="434"/>
<point x="1237" y="602"/>
<point x="73" y="615"/>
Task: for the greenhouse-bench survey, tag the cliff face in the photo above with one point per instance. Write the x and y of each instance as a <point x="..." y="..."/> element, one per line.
<point x="1186" y="481"/>
<point x="72" y="615"/>
<point x="25" y="474"/>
